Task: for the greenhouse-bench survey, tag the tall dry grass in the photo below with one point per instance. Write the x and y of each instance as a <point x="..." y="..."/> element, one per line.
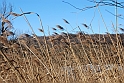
<point x="62" y="58"/>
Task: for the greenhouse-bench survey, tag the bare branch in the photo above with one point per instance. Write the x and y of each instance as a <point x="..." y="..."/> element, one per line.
<point x="114" y="14"/>
<point x="99" y="3"/>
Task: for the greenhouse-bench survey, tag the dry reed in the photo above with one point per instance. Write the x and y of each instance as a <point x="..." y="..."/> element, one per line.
<point x="66" y="21"/>
<point x="122" y="29"/>
<point x="60" y="27"/>
<point x="41" y="30"/>
<point x="67" y="58"/>
<point x="85" y="25"/>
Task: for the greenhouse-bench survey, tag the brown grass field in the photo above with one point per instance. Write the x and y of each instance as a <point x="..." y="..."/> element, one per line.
<point x="66" y="58"/>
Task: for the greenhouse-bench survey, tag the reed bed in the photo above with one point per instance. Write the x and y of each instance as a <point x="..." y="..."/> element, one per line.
<point x="62" y="58"/>
<point x="85" y="60"/>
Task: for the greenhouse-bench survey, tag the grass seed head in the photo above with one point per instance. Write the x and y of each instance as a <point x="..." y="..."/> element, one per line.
<point x="15" y="14"/>
<point x="107" y="32"/>
<point x="29" y="13"/>
<point x="66" y="21"/>
<point x="80" y="33"/>
<point x="60" y="27"/>
<point x="8" y="33"/>
<point x="24" y="35"/>
<point x="54" y="29"/>
<point x="63" y="33"/>
<point x="5" y="20"/>
<point x="41" y="30"/>
<point x="85" y="25"/>
<point x="122" y="29"/>
<point x="55" y="33"/>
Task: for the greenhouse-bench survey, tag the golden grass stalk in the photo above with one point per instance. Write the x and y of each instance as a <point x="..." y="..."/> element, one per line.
<point x="83" y="47"/>
<point x="42" y="50"/>
<point x="46" y="46"/>
<point x="117" y="44"/>
<point x="18" y="74"/>
<point x="76" y="58"/>
<point x="54" y="52"/>
<point x="37" y="58"/>
<point x="110" y="35"/>
<point x="47" y="49"/>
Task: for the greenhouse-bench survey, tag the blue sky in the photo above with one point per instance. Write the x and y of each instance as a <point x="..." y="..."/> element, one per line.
<point x="52" y="13"/>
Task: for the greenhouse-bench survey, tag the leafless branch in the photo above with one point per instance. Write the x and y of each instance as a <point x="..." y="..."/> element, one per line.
<point x="114" y="14"/>
<point x="99" y="3"/>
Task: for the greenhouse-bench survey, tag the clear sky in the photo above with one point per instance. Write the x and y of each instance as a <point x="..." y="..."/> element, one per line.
<point x="52" y="13"/>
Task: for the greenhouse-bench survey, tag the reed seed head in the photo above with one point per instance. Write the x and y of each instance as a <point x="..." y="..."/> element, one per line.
<point x="8" y="33"/>
<point x="15" y="14"/>
<point x="28" y="13"/>
<point x="54" y="29"/>
<point x="85" y="25"/>
<point x="122" y="29"/>
<point x="24" y="35"/>
<point x="41" y="30"/>
<point x="107" y="32"/>
<point x="55" y="33"/>
<point x="60" y="27"/>
<point x="5" y="20"/>
<point x="63" y="33"/>
<point x="80" y="33"/>
<point x="66" y="21"/>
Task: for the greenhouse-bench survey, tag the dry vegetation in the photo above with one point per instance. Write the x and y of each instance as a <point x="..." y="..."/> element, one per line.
<point x="66" y="58"/>
<point x="60" y="58"/>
